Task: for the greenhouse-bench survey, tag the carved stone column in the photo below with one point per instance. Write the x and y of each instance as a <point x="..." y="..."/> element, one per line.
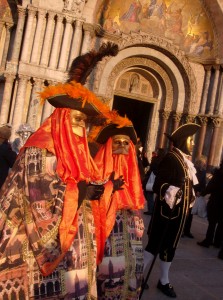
<point x="2" y="24"/>
<point x="4" y="115"/>
<point x="200" y="142"/>
<point x="88" y="32"/>
<point x="19" y="34"/>
<point x="37" y="45"/>
<point x="214" y="140"/>
<point x="219" y="102"/>
<point x="19" y="104"/>
<point x="164" y="116"/>
<point x="8" y="27"/>
<point x="34" y="103"/>
<point x="28" y="32"/>
<point x="47" y="110"/>
<point x="214" y="89"/>
<point x="77" y="39"/>
<point x="66" y="44"/>
<point x="205" y="90"/>
<point x="56" y="42"/>
<point x="176" y="120"/>
<point x="48" y="39"/>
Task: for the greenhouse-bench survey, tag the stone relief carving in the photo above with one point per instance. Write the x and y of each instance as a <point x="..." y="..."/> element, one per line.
<point x="75" y="6"/>
<point x="125" y="64"/>
<point x="163" y="45"/>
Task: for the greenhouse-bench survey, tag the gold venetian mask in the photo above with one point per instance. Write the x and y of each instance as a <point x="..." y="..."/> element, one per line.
<point x="190" y="144"/>
<point x="120" y="144"/>
<point x="78" y="120"/>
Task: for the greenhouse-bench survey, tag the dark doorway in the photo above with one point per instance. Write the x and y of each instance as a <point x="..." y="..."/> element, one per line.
<point x="137" y="111"/>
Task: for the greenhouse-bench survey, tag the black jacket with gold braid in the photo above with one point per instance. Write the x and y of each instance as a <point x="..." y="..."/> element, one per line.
<point x="167" y="224"/>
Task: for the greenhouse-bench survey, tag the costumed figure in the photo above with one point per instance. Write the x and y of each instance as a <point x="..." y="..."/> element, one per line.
<point x="174" y="188"/>
<point x="48" y="223"/>
<point x="7" y="155"/>
<point x="24" y="131"/>
<point x="121" y="270"/>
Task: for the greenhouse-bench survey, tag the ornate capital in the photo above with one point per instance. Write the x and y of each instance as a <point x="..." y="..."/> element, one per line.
<point x="203" y="120"/>
<point x="164" y="114"/>
<point x="190" y="118"/>
<point x="60" y="17"/>
<point x="177" y="116"/>
<point x="9" y="77"/>
<point x="21" y="11"/>
<point x="51" y="15"/>
<point x="216" y="121"/>
<point x="208" y="67"/>
<point x="69" y="19"/>
<point x="41" y="13"/>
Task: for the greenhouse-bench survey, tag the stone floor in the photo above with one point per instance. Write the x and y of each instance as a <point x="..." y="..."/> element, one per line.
<point x="196" y="273"/>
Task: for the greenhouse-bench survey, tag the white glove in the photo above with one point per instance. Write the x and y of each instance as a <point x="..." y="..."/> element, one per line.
<point x="170" y="195"/>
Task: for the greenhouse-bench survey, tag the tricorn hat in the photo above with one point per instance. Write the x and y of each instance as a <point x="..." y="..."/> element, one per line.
<point x="112" y="129"/>
<point x="73" y="94"/>
<point x="180" y="135"/>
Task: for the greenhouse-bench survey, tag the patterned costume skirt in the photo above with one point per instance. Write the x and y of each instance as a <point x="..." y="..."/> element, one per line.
<point x="120" y="273"/>
<point x="74" y="278"/>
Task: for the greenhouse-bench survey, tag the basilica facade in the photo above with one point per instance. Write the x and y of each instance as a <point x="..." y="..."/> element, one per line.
<point x="168" y="71"/>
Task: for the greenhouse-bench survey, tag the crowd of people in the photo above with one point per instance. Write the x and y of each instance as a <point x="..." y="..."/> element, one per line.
<point x="71" y="203"/>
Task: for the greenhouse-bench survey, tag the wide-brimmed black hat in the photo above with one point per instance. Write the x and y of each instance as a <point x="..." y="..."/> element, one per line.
<point x="184" y="131"/>
<point x="180" y="135"/>
<point x="61" y="101"/>
<point x="112" y="129"/>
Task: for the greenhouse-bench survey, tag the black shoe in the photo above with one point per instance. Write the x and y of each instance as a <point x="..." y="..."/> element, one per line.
<point x="167" y="289"/>
<point x="204" y="243"/>
<point x="189" y="234"/>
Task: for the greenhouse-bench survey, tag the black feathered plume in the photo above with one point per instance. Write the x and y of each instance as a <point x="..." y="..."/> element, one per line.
<point x="82" y="65"/>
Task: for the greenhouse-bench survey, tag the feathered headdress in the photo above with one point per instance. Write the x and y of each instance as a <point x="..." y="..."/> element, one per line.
<point x="73" y="94"/>
<point x="83" y="65"/>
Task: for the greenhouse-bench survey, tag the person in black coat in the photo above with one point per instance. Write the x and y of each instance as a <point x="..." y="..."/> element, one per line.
<point x="214" y="234"/>
<point x="173" y="186"/>
<point x="7" y="155"/>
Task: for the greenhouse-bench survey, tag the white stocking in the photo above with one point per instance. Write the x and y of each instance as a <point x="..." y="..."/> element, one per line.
<point x="164" y="268"/>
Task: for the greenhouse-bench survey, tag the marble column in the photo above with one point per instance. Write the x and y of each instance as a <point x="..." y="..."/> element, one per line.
<point x="4" y="115"/>
<point x="164" y="116"/>
<point x="37" y="43"/>
<point x="34" y="103"/>
<point x="28" y="32"/>
<point x="8" y="27"/>
<point x="214" y="141"/>
<point x="19" y="104"/>
<point x="47" y="110"/>
<point x="56" y="42"/>
<point x="66" y="44"/>
<point x="88" y="32"/>
<point x="77" y="39"/>
<point x="176" y="120"/>
<point x="202" y="132"/>
<point x="219" y="101"/>
<point x="48" y="39"/>
<point x="19" y="34"/>
<point x="2" y="24"/>
<point x="205" y="89"/>
<point x="214" y="89"/>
